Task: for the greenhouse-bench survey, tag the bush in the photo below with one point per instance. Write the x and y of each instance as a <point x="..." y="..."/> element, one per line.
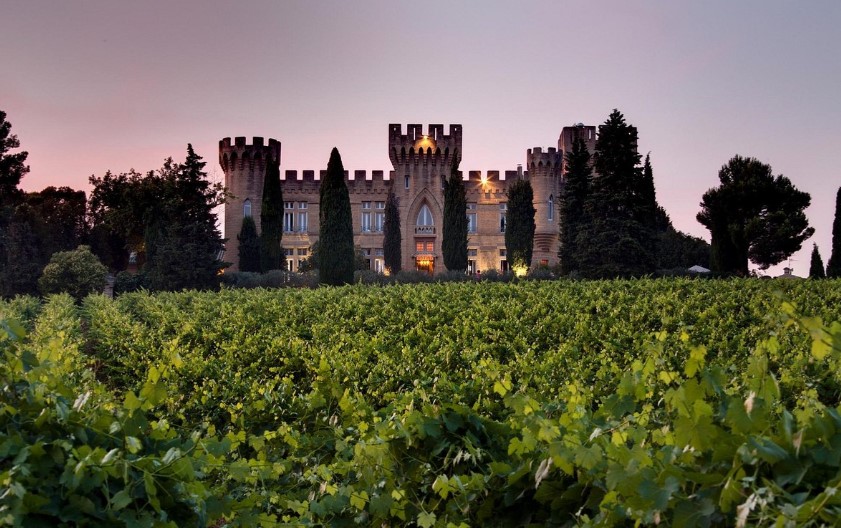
<point x="453" y="276"/>
<point x="413" y="277"/>
<point x="76" y="272"/>
<point x="127" y="282"/>
<point x="541" y="273"/>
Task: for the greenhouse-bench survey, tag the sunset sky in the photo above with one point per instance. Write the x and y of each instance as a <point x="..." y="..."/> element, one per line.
<point x="96" y="85"/>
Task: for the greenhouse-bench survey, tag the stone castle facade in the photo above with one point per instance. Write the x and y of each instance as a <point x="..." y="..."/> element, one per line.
<point x="421" y="161"/>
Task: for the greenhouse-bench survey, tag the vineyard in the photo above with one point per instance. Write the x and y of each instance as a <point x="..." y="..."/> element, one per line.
<point x="607" y="403"/>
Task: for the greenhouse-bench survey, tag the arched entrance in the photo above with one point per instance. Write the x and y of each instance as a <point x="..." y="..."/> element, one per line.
<point x="425" y="240"/>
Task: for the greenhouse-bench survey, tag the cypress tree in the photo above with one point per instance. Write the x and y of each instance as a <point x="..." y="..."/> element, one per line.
<point x="573" y="218"/>
<point x="454" y="243"/>
<point x="336" y="252"/>
<point x="249" y="246"/>
<point x="816" y="270"/>
<point x="519" y="226"/>
<point x="392" y="239"/>
<point x="271" y="219"/>
<point x="833" y="267"/>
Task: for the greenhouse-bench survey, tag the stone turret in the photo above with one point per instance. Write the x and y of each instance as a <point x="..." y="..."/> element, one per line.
<point x="545" y="170"/>
<point x="245" y="170"/>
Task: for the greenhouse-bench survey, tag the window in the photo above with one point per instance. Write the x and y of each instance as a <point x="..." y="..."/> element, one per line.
<point x="471" y="218"/>
<point x="425" y="216"/>
<point x="379" y="252"/>
<point x="471" y="261"/>
<point x="379" y="217"/>
<point x="551" y="208"/>
<point x="302" y="252"/>
<point x="366" y="217"/>
<point x="503" y="261"/>
<point x="246" y="208"/>
<point x="302" y="205"/>
<point x="288" y="217"/>
<point x="366" y="252"/>
<point x="289" y="252"/>
<point x="303" y="220"/>
<point x="503" y="211"/>
<point x="406" y="179"/>
<point x="424" y="246"/>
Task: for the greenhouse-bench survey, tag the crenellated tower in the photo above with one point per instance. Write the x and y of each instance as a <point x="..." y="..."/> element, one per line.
<point x="568" y="135"/>
<point x="421" y="163"/>
<point x="545" y="173"/>
<point x="245" y="169"/>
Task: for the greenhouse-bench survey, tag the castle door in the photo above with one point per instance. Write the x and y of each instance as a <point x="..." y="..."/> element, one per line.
<point x="424" y="255"/>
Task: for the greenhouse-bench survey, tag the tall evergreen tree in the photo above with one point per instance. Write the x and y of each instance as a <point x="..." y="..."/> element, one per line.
<point x="336" y="254"/>
<point x="271" y="219"/>
<point x="618" y="242"/>
<point x="573" y="217"/>
<point x="12" y="168"/>
<point x="647" y="208"/>
<point x="249" y="246"/>
<point x="392" y="239"/>
<point x="816" y="270"/>
<point x="519" y="226"/>
<point x="833" y="267"/>
<point x="454" y="236"/>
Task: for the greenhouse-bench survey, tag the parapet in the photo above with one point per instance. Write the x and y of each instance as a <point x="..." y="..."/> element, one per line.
<point x="537" y="158"/>
<point x="568" y="134"/>
<point x="239" y="154"/>
<point x="415" y="146"/>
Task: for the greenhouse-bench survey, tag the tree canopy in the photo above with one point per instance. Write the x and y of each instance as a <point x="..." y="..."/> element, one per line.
<point x="454" y="232"/>
<point x="271" y="219"/>
<point x="336" y="251"/>
<point x="520" y="226"/>
<point x="573" y="214"/>
<point x="392" y="238"/>
<point x="833" y="267"/>
<point x="753" y="215"/>
<point x="12" y="166"/>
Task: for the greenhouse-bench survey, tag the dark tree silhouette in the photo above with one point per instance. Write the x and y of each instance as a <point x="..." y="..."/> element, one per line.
<point x="816" y="270"/>
<point x="336" y="252"/>
<point x="753" y="215"/>
<point x="519" y="225"/>
<point x="392" y="239"/>
<point x="573" y="217"/>
<point x="833" y="267"/>
<point x="271" y="219"/>
<point x="249" y="246"/>
<point x="454" y="236"/>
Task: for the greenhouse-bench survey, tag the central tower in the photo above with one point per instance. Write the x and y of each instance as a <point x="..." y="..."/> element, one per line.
<point x="421" y="163"/>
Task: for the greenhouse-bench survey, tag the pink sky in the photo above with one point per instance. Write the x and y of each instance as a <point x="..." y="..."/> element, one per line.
<point x="96" y="85"/>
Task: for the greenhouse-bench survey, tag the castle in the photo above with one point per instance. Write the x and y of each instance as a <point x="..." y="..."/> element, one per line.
<point x="420" y="164"/>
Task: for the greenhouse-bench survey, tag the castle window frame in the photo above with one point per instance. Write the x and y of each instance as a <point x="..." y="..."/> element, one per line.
<point x="550" y="213"/>
<point x="288" y="217"/>
<point x="246" y="208"/>
<point x="366" y="217"/>
<point x="406" y="180"/>
<point x="472" y="223"/>
<point x="425" y="217"/>
<point x="503" y="214"/>
<point x="303" y="222"/>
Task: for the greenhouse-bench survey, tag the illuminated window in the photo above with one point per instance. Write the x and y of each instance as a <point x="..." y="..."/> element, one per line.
<point x="246" y="208"/>
<point x="366" y="217"/>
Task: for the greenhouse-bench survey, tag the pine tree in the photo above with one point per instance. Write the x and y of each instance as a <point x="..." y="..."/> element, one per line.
<point x="573" y="218"/>
<point x="519" y="226"/>
<point x="12" y="168"/>
<point x="249" y="246"/>
<point x="816" y="270"/>
<point x="336" y="252"/>
<point x="647" y="208"/>
<point x="833" y="267"/>
<point x="618" y="241"/>
<point x="392" y="239"/>
<point x="271" y="219"/>
<point x="454" y="236"/>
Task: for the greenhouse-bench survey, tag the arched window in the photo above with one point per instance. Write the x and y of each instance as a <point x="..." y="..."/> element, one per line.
<point x="425" y="216"/>
<point x="246" y="208"/>
<point x="551" y="208"/>
<point x="407" y="181"/>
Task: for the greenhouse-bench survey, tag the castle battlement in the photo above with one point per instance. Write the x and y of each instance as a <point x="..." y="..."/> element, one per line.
<point x="536" y="158"/>
<point x="240" y="154"/>
<point x="416" y="147"/>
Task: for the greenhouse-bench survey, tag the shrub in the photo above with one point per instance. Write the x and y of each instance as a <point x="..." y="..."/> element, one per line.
<point x="127" y="282"/>
<point x="76" y="272"/>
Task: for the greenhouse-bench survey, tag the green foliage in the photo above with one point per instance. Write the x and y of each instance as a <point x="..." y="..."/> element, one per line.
<point x="78" y="273"/>
<point x="833" y="266"/>
<point x="574" y="220"/>
<point x="336" y="257"/>
<point x="619" y="238"/>
<point x="676" y="249"/>
<point x="12" y="168"/>
<point x="816" y="269"/>
<point x="23" y="254"/>
<point x="454" y="231"/>
<point x="64" y="213"/>
<point x="249" y="246"/>
<point x="753" y="215"/>
<point x="392" y="238"/>
<point x="154" y="214"/>
<point x="271" y="220"/>
<point x="519" y="227"/>
<point x="507" y="405"/>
